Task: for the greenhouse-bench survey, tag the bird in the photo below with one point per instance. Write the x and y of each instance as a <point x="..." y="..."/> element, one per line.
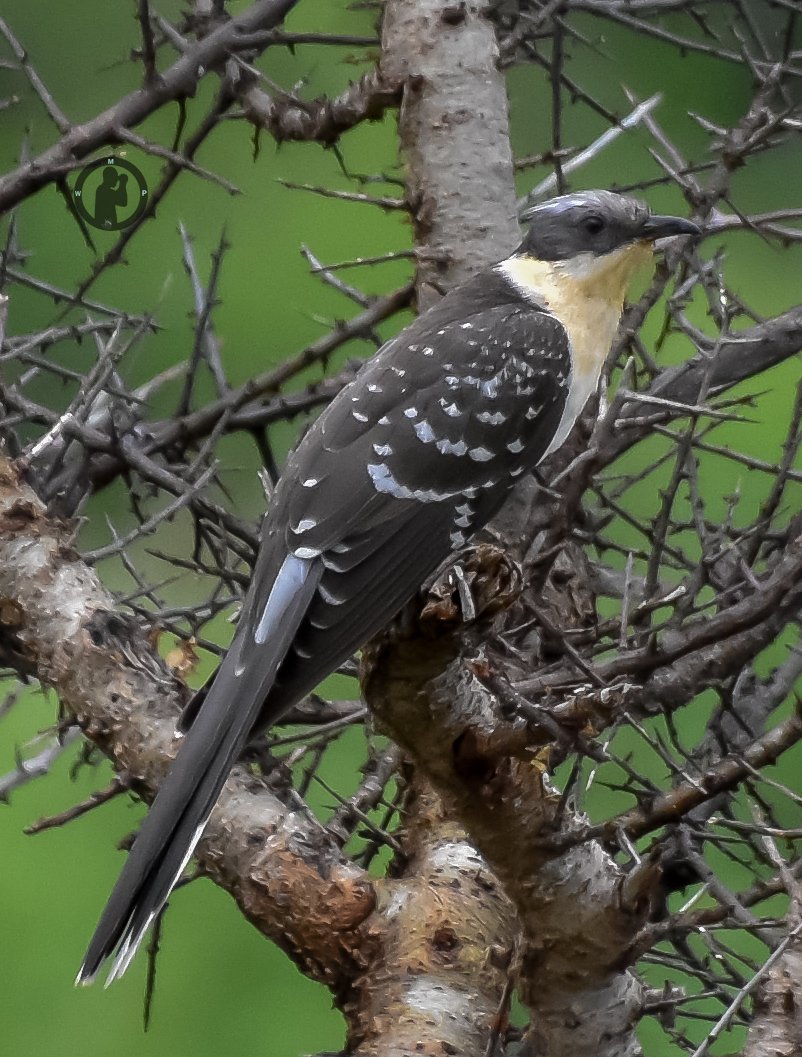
<point x="404" y="466"/>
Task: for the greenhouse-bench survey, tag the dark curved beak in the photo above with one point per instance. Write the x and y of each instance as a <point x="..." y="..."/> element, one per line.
<point x="657" y="227"/>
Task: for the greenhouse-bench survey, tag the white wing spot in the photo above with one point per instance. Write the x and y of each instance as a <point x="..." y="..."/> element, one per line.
<point x="410" y="412"/>
<point x="491" y="418"/>
<point x="466" y="326"/>
<point x="480" y="454"/>
<point x="428" y="351"/>
<point x="373" y="388"/>
<point x="383" y="481"/>
<point x="515" y="446"/>
<point x="359" y="416"/>
<point x="328" y="597"/>
<point x="384" y="421"/>
<point x="310" y="482"/>
<point x="305" y="524"/>
<point x="382" y="449"/>
<point x="397" y="370"/>
<point x="490" y="387"/>
<point x="447" y="447"/>
<point x="424" y="431"/>
<point x="450" y="409"/>
<point x="457" y="539"/>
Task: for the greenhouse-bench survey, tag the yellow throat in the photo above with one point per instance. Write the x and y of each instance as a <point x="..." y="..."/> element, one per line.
<point x="586" y="294"/>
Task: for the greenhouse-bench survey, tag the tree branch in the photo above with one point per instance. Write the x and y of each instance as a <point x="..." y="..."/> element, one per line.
<point x="285" y="871"/>
<point x="323" y="120"/>
<point x="178" y="82"/>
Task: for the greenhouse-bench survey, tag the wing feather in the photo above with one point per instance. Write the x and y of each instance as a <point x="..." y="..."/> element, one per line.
<point x="412" y="459"/>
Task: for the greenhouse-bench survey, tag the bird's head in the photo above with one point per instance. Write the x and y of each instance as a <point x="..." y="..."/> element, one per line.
<point x="594" y="240"/>
<point x="595" y="224"/>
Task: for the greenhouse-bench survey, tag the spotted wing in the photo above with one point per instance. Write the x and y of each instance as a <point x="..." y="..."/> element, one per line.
<point x="409" y="461"/>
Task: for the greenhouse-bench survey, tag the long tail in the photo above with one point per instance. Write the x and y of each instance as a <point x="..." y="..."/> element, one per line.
<point x="178" y="816"/>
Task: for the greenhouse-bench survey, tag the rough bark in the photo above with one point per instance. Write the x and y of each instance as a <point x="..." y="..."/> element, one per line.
<point x="440" y="983"/>
<point x="578" y="912"/>
<point x="281" y="866"/>
<point x="454" y="136"/>
<point x="776" y="1030"/>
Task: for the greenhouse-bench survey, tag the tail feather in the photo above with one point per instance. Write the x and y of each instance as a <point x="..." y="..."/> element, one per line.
<point x="217" y="736"/>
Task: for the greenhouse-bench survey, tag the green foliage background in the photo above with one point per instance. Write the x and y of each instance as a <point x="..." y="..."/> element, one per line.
<point x="222" y="988"/>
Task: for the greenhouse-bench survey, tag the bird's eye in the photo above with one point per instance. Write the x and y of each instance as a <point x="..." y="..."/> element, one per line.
<point x="593" y="225"/>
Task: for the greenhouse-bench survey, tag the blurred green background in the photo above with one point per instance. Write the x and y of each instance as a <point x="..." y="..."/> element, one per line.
<point x="222" y="988"/>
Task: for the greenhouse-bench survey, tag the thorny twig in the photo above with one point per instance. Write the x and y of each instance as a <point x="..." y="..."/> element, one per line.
<point x="697" y="591"/>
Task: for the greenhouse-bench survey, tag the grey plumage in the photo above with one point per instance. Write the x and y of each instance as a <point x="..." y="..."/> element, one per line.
<point x="593" y="222"/>
<point x="384" y="510"/>
<point x="404" y="466"/>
